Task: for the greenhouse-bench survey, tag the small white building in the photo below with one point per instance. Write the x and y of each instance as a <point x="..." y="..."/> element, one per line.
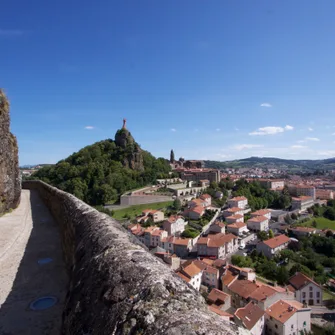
<point x="305" y="289"/>
<point x="302" y="203"/>
<point x="233" y="211"/>
<point x="240" y="202"/>
<point x="191" y="274"/>
<point x="174" y="225"/>
<point x="258" y="223"/>
<point x="287" y="318"/>
<point x="235" y="218"/>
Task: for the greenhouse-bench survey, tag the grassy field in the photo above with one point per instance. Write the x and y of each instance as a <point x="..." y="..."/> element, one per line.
<point x="322" y="223"/>
<point x="327" y="295"/>
<point x="135" y="210"/>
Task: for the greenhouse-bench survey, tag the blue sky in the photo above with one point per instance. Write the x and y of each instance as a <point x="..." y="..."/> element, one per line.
<point x="211" y="79"/>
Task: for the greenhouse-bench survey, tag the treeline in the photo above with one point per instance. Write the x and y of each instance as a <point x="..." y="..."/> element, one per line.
<point x="327" y="212"/>
<point x="260" y="197"/>
<point x="96" y="173"/>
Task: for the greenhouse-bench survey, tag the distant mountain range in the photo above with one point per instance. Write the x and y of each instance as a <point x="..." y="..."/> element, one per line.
<point x="277" y="163"/>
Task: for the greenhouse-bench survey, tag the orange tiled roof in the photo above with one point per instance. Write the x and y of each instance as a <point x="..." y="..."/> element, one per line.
<point x="249" y="315"/>
<point x="282" y="310"/>
<point x="299" y="280"/>
<point x="237" y="225"/>
<point x="276" y="241"/>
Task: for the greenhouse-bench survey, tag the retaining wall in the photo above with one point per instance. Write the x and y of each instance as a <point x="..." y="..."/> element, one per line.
<point x="116" y="285"/>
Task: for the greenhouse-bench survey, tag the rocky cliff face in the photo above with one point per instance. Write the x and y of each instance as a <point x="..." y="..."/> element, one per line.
<point x="10" y="183"/>
<point x="133" y="154"/>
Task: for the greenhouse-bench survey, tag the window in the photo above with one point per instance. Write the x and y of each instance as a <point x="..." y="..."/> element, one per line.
<point x="317" y="301"/>
<point x="304" y="294"/>
<point x="318" y="294"/>
<point x="311" y="294"/>
<point x="276" y="326"/>
<point x="305" y="324"/>
<point x="311" y="288"/>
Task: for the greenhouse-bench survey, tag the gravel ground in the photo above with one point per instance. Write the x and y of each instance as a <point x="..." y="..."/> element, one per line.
<point x="27" y="235"/>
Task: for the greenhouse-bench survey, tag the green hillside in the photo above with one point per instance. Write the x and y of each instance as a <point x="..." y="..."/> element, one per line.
<point x="100" y="172"/>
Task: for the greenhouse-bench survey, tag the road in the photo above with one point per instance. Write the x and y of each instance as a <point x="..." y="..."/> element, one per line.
<point x="28" y="235"/>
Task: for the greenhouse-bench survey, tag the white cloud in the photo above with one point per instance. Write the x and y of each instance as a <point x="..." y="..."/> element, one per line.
<point x="297" y="146"/>
<point x="173" y="129"/>
<point x="330" y="153"/>
<point x="333" y="134"/>
<point x="288" y="127"/>
<point x="89" y="127"/>
<point x="310" y="128"/>
<point x="10" y="32"/>
<point x="314" y="139"/>
<point x="267" y="131"/>
<point x="240" y="147"/>
<point x="301" y="141"/>
<point x="266" y="104"/>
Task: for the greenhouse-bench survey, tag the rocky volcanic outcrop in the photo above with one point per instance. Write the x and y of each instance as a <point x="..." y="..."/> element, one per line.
<point x="10" y="183"/>
<point x="133" y="154"/>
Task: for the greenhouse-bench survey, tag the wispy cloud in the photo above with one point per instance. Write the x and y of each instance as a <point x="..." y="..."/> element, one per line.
<point x="218" y="129"/>
<point x="288" y="127"/>
<point x="297" y="146"/>
<point x="271" y="130"/>
<point x="266" y="104"/>
<point x="313" y="139"/>
<point x="310" y="128"/>
<point x="89" y="127"/>
<point x="11" y="32"/>
<point x="333" y="134"/>
<point x="240" y="147"/>
<point x="173" y="130"/>
<point x="236" y="129"/>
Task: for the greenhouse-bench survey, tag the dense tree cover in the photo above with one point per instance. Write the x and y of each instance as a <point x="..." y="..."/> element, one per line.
<point x="259" y="197"/>
<point x="327" y="212"/>
<point x="97" y="175"/>
<point x="263" y="266"/>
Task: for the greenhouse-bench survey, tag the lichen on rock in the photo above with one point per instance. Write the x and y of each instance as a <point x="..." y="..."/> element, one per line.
<point x="10" y="182"/>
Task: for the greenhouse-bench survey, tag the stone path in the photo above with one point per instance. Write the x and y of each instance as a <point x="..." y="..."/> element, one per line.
<point x="27" y="235"/>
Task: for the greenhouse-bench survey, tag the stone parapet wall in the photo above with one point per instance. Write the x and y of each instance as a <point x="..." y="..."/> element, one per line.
<point x="116" y="285"/>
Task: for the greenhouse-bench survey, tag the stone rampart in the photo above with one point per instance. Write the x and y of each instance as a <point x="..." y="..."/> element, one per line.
<point x="116" y="285"/>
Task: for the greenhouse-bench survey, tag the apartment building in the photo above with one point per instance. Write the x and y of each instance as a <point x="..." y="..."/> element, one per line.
<point x="258" y="223"/>
<point x="273" y="184"/>
<point x="237" y="228"/>
<point x="174" y="225"/>
<point x="302" y="203"/>
<point x="302" y="190"/>
<point x="262" y="212"/>
<point x="324" y="194"/>
<point x="196" y="175"/>
<point x="235" y="218"/>
<point x="251" y="317"/>
<point x="240" y="202"/>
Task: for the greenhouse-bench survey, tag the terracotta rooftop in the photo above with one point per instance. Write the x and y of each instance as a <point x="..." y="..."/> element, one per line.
<point x="299" y="280"/>
<point x="190" y="270"/>
<point x="235" y="217"/>
<point x="261" y="212"/>
<point x="238" y="199"/>
<point x="283" y="310"/>
<point x="276" y="241"/>
<point x="237" y="225"/>
<point x="183" y="277"/>
<point x="228" y="277"/>
<point x="217" y="297"/>
<point x="302" y="198"/>
<point x="220" y="312"/>
<point x="243" y="288"/>
<point x="197" y="209"/>
<point x="173" y="218"/>
<point x="234" y="209"/>
<point x="303" y="229"/>
<point x="258" y="219"/>
<point x="182" y="241"/>
<point x="262" y="293"/>
<point x="205" y="196"/>
<point x="249" y="315"/>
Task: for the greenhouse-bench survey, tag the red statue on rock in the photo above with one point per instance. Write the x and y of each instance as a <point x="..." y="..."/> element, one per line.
<point x="124" y="123"/>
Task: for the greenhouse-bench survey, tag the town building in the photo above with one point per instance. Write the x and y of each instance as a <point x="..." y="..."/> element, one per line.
<point x="207" y="199"/>
<point x="217" y="227"/>
<point x="217" y="245"/>
<point x="324" y="194"/>
<point x="235" y="218"/>
<point x="195" y="213"/>
<point x="174" y="225"/>
<point x="272" y="184"/>
<point x="302" y="203"/>
<point x="302" y="190"/>
<point x="219" y="299"/>
<point x="233" y="211"/>
<point x="272" y="246"/>
<point x="252" y="318"/>
<point x="237" y="228"/>
<point x="156" y="237"/>
<point x="240" y="202"/>
<point x="224" y="315"/>
<point x="258" y="223"/>
<point x="196" y="175"/>
<point x="287" y="318"/>
<point x="305" y="289"/>
<point x="302" y="231"/>
<point x="191" y="274"/>
<point x="154" y="215"/>
<point x="182" y="247"/>
<point x="262" y="212"/>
